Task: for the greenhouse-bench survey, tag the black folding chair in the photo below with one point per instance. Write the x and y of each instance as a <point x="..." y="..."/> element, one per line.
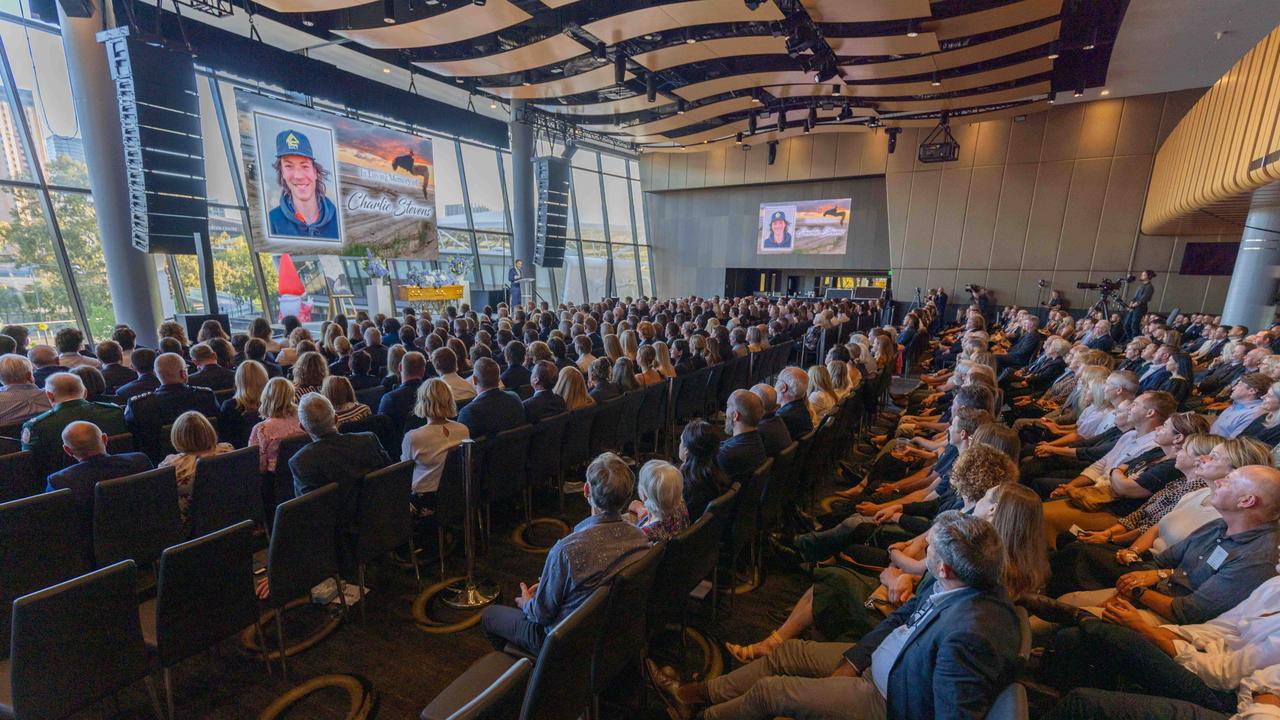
<point x="136" y="517"/>
<point x="382" y="521"/>
<point x="227" y="489"/>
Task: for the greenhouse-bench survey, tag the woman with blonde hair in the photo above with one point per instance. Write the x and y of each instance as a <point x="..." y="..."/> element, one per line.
<point x="573" y="389"/>
<point x="647" y="360"/>
<point x="664" y="360"/>
<point x="343" y="399"/>
<point x="1094" y="414"/>
<point x="331" y="332"/>
<point x="822" y="394"/>
<point x="841" y="381"/>
<point x="392" y="379"/>
<point x="279" y="410"/>
<point x="660" y="512"/>
<point x="239" y="413"/>
<point x="194" y="438"/>
<point x="309" y="373"/>
<point x="630" y="343"/>
<point x="428" y="446"/>
<point x="612" y="347"/>
<point x="698" y="346"/>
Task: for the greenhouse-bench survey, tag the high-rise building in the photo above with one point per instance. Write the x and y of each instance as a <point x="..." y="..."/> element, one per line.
<point x="13" y="161"/>
<point x="59" y="146"/>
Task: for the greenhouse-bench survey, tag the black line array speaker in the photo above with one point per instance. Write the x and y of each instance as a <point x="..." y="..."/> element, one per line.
<point x="163" y="150"/>
<point x="551" y="177"/>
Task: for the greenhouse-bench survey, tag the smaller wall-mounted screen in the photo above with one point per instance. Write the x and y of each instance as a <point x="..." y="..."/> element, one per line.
<point x="1209" y="258"/>
<point x="804" y="227"/>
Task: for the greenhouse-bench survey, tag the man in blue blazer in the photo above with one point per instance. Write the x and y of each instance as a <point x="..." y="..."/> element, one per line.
<point x="545" y="402"/>
<point x="398" y="403"/>
<point x="1022" y="352"/>
<point x="493" y="409"/>
<point x="88" y="445"/>
<point x="945" y="654"/>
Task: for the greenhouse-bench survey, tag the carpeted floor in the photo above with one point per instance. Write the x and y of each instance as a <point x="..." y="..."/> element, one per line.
<point x="405" y="666"/>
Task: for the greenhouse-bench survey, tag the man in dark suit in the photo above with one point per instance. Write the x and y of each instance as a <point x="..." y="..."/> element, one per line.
<point x="114" y="371"/>
<point x="743" y="452"/>
<point x="516" y="375"/>
<point x="361" y="372"/>
<point x="86" y="443"/>
<point x="947" y="653"/>
<point x="333" y="457"/>
<point x="545" y="402"/>
<point x="793" y="392"/>
<point x="209" y="374"/>
<point x="493" y="409"/>
<point x="1211" y="381"/>
<point x="398" y="403"/>
<point x="1022" y="352"/>
<point x="143" y="360"/>
<point x="148" y="414"/>
<point x="45" y="360"/>
<point x="256" y="350"/>
<point x="773" y="429"/>
<point x="377" y="351"/>
<point x="601" y="386"/>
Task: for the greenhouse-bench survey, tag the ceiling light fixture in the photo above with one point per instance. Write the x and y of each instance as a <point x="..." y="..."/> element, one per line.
<point x="737" y="140"/>
<point x="913" y="28"/>
<point x="1054" y="53"/>
<point x="935" y="81"/>
<point x="1104" y="92"/>
<point x="389" y="12"/>
<point x="835" y="90"/>
<point x="1093" y="40"/>
<point x="524" y="80"/>
<point x="680" y="105"/>
<point x="307" y="22"/>
<point x="619" y="67"/>
<point x="386" y="70"/>
<point x="493" y="104"/>
<point x="755" y="96"/>
<point x="753" y="5"/>
<point x="1079" y="92"/>
<point x="478" y="2"/>
<point x="808" y="126"/>
<point x="600" y="51"/>
<point x="751" y="123"/>
<point x="690" y="39"/>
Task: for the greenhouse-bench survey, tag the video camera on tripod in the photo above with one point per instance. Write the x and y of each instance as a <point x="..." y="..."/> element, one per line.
<point x="1107" y="286"/>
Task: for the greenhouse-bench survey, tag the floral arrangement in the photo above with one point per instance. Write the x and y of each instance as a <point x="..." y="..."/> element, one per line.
<point x="460" y="267"/>
<point x="374" y="267"/>
<point x="431" y="279"/>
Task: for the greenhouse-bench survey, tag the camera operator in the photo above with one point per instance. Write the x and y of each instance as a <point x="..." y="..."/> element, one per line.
<point x="1138" y="305"/>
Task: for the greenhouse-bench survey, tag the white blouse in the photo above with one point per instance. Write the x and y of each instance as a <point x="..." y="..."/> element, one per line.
<point x="429" y="446"/>
<point x="1189" y="515"/>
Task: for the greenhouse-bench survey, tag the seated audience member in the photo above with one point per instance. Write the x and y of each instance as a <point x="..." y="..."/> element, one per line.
<point x="704" y="481"/>
<point x="428" y="446"/>
<point x="391" y="379"/>
<point x="85" y="442"/>
<point x="773" y="429"/>
<point x="362" y="376"/>
<point x="545" y="402"/>
<point x="1246" y="405"/>
<point x="42" y="434"/>
<point x="332" y="456"/>
<point x="577" y="564"/>
<point x="516" y="375"/>
<point x="70" y="342"/>
<point x="309" y="372"/>
<point x="1022" y="352"/>
<point x="573" y="389"/>
<point x="822" y="394"/>
<point x="493" y="409"/>
<point x="793" y="394"/>
<point x="342" y="365"/>
<point x="45" y="361"/>
<point x="194" y="438"/>
<point x="743" y="452"/>
<point x="209" y="374"/>
<point x="162" y="406"/>
<point x="378" y="352"/>
<point x="624" y="375"/>
<point x="398" y="403"/>
<point x="343" y="399"/>
<point x="21" y="336"/>
<point x="1217" y="565"/>
<point x="20" y="397"/>
<point x="445" y="362"/>
<point x="647" y="360"/>
<point x="279" y="421"/>
<point x="602" y="386"/>
<point x="239" y="413"/>
<point x="114" y="370"/>
<point x="255" y="349"/>
<point x="945" y="654"/>
<point x="144" y="360"/>
<point x="95" y="386"/>
<point x="582" y="345"/>
<point x="660" y="511"/>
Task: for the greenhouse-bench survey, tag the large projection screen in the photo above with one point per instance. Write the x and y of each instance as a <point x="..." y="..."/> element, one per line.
<point x="804" y="227"/>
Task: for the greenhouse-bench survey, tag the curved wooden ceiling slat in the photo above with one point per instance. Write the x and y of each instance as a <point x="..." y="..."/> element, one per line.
<point x="964" y="101"/>
<point x="301" y="6"/>
<point x="969" y="55"/>
<point x="1037" y="106"/>
<point x="925" y="42"/>
<point x="714" y="49"/>
<point x="850" y="11"/>
<point x="555" y="49"/>
<point x="626" y="105"/>
<point x="691" y="117"/>
<point x="672" y="16"/>
<point x="601" y="77"/>
<point x="985" y="21"/>
<point x="463" y="23"/>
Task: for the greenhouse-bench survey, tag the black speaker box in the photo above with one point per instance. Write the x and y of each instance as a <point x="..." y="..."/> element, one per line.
<point x="551" y="177"/>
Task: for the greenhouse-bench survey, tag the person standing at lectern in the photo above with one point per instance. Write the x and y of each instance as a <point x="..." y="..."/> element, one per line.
<point x="513" y="281"/>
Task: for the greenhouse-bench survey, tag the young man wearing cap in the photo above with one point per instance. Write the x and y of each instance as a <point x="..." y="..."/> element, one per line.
<point x="778" y="237"/>
<point x="304" y="211"/>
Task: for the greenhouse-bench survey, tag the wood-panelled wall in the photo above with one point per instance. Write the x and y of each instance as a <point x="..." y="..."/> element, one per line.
<point x="1056" y="195"/>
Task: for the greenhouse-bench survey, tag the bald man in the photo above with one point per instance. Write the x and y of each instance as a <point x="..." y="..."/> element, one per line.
<point x="773" y="429"/>
<point x="743" y="453"/>
<point x="793" y="392"/>
<point x="147" y="414"/>
<point x="85" y="442"/>
<point x="42" y="434"/>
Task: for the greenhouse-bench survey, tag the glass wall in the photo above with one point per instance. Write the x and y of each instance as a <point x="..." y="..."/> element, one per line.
<point x="51" y="262"/>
